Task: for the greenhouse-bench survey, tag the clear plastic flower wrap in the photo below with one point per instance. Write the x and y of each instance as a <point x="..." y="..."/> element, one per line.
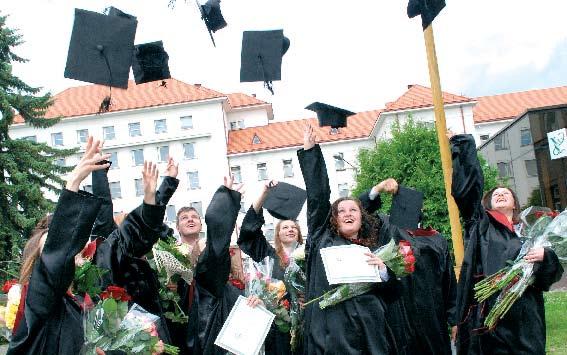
<point x="295" y="280"/>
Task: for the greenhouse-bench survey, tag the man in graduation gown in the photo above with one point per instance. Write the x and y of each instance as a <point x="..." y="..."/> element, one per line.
<point x="490" y="242"/>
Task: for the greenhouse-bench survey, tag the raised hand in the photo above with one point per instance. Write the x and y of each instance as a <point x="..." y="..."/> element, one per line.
<point x="172" y="168"/>
<point x="389" y="186"/>
<point x="150" y="176"/>
<point x="90" y="161"/>
<point x="229" y="184"/>
<point x="449" y="134"/>
<point x="309" y="138"/>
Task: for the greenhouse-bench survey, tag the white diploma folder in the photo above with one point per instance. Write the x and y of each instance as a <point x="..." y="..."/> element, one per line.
<point x="245" y="329"/>
<point x="348" y="264"/>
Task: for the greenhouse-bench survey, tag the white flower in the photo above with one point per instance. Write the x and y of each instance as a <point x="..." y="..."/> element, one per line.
<point x="185" y="249"/>
<point x="299" y="253"/>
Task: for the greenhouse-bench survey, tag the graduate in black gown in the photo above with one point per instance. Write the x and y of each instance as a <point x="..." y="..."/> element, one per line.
<point x="358" y="325"/>
<point x="253" y="242"/>
<point x="52" y="321"/>
<point x="490" y="242"/>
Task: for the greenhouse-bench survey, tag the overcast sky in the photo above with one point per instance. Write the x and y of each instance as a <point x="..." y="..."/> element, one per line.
<point x="356" y="54"/>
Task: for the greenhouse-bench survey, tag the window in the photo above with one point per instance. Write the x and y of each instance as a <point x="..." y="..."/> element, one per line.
<point x="193" y="178"/>
<point x="170" y="214"/>
<point x="134" y="129"/>
<point x="287" y="168"/>
<point x="88" y="188"/>
<point x="198" y="206"/>
<point x="499" y="142"/>
<point x="262" y="171"/>
<point x="269" y="232"/>
<point x="163" y="153"/>
<point x="59" y="162"/>
<point x="236" y="176"/>
<point x="189" y="150"/>
<point x="82" y="135"/>
<point x="108" y="133"/>
<point x="186" y="122"/>
<point x="256" y="139"/>
<point x="242" y="207"/>
<point x="339" y="162"/>
<point x="236" y="125"/>
<point x="531" y="167"/>
<point x="160" y="126"/>
<point x="139" y="186"/>
<point x="525" y="137"/>
<point x="484" y="137"/>
<point x="115" y="191"/>
<point x="138" y="157"/>
<point x="30" y="138"/>
<point x="114" y="160"/>
<point x="334" y="131"/>
<point x="343" y="190"/>
<point x="57" y="139"/>
<point x="503" y="169"/>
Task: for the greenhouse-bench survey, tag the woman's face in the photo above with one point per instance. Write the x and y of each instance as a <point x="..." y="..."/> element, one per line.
<point x="502" y="200"/>
<point x="349" y="218"/>
<point x="288" y="232"/>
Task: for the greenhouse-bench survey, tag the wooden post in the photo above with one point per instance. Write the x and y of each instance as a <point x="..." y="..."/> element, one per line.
<point x="456" y="231"/>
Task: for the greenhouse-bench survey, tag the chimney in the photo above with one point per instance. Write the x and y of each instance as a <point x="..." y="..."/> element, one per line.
<point x="253" y="95"/>
<point x="197" y="85"/>
<point x="410" y="86"/>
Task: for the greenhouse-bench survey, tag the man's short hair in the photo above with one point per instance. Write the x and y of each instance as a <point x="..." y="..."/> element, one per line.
<point x="185" y="209"/>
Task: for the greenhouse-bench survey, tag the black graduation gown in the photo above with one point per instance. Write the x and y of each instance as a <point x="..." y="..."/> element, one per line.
<point x="52" y="321"/>
<point x="355" y="326"/>
<point x="213" y="296"/>
<point x="253" y="242"/>
<point x="104" y="223"/>
<point x="489" y="244"/>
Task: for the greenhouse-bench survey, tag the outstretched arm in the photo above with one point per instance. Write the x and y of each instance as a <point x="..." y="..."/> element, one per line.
<point x="104" y="224"/>
<point x="169" y="183"/>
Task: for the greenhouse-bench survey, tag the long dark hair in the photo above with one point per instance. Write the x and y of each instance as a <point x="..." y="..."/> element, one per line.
<point x="32" y="250"/>
<point x="370" y="226"/>
<point x="487" y="202"/>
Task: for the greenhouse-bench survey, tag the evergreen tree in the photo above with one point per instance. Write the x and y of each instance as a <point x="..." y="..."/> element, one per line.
<point x="27" y="169"/>
<point x="412" y="158"/>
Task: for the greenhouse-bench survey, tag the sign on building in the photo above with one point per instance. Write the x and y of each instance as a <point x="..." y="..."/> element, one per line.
<point x="557" y="143"/>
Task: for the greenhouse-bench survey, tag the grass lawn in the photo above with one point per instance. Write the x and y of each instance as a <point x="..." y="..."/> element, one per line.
<point x="556" y="319"/>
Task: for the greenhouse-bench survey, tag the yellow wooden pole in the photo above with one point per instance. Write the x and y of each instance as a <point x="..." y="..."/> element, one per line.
<point x="456" y="231"/>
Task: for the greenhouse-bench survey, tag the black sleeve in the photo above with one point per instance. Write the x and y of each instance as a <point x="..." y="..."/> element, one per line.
<point x="450" y="289"/>
<point x="104" y="224"/>
<point x="166" y="190"/>
<point x="369" y="205"/>
<point x="213" y="267"/>
<point x="468" y="180"/>
<point x="548" y="271"/>
<point x="251" y="239"/>
<point x="68" y="234"/>
<point x="316" y="180"/>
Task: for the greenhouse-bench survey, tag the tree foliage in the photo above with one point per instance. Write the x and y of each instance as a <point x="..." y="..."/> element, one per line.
<point x="26" y="167"/>
<point x="412" y="158"/>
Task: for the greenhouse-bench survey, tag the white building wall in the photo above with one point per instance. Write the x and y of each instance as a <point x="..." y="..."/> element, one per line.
<point x="250" y="116"/>
<point x="491" y="128"/>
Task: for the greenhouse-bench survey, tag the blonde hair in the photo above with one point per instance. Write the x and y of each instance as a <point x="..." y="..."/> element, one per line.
<point x="279" y="245"/>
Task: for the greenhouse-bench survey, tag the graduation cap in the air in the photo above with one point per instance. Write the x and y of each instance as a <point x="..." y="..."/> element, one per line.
<point x="406" y="208"/>
<point x="285" y="201"/>
<point x="330" y="115"/>
<point x="261" y="56"/>
<point x="428" y="9"/>
<point x="112" y="11"/>
<point x="100" y="51"/>
<point x="211" y="14"/>
<point x="150" y="62"/>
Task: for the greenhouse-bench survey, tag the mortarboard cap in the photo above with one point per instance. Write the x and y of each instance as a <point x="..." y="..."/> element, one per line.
<point x="211" y="14"/>
<point x="428" y="9"/>
<point x="261" y="56"/>
<point x="330" y="115"/>
<point x="406" y="208"/>
<point x="150" y="62"/>
<point x="285" y="201"/>
<point x="100" y="51"/>
<point x="112" y="11"/>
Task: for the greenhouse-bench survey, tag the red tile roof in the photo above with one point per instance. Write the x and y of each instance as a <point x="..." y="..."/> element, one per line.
<point x="509" y="106"/>
<point x="242" y="100"/>
<point x="290" y="133"/>
<point x="85" y="100"/>
<point x="419" y="96"/>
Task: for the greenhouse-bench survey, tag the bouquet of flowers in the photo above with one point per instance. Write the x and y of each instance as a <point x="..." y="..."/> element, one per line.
<point x="540" y="228"/>
<point x="260" y="283"/>
<point x="295" y="280"/>
<point x="398" y="258"/>
<point x="13" y="290"/>
<point x="111" y="326"/>
<point x="172" y="261"/>
<point x="87" y="274"/>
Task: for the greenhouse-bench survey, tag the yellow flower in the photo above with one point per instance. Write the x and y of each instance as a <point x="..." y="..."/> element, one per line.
<point x="12" y="306"/>
<point x="278" y="287"/>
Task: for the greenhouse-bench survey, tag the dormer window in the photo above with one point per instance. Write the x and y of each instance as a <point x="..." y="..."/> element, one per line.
<point x="256" y="139"/>
<point x="334" y="131"/>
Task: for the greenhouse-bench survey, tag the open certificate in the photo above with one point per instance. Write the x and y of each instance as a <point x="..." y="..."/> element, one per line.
<point x="348" y="264"/>
<point x="245" y="329"/>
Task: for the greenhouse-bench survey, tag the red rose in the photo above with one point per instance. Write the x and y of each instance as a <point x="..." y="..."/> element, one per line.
<point x="118" y="293"/>
<point x="405" y="247"/>
<point x="285" y="303"/>
<point x="410" y="268"/>
<point x="409" y="259"/>
<point x="8" y="285"/>
<point x="89" y="251"/>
